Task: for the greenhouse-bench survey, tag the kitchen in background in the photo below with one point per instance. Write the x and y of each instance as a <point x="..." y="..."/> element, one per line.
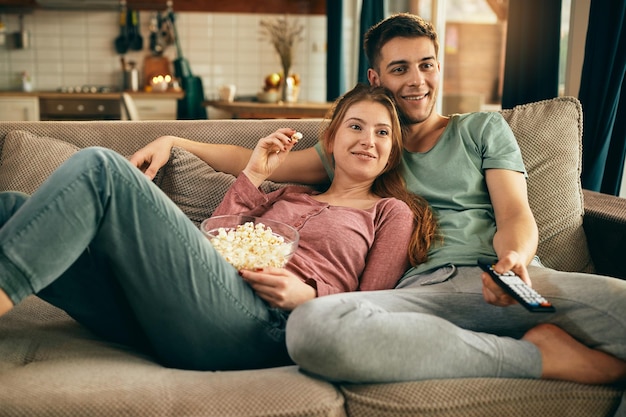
<point x="69" y="49"/>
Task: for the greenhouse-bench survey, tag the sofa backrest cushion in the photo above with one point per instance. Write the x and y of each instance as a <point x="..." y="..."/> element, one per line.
<point x="549" y="134"/>
<point x="27" y="160"/>
<point x="195" y="186"/>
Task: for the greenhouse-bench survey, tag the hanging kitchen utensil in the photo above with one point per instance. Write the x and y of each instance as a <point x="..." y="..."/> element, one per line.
<point x="130" y="28"/>
<point x="21" y="39"/>
<point x="166" y="30"/>
<point x="121" y="42"/>
<point x="191" y="106"/>
<point x="136" y="42"/>
<point x="3" y="36"/>
<point x="155" y="46"/>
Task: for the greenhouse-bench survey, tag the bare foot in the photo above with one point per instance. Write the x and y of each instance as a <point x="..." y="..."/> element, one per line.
<point x="567" y="359"/>
<point x="5" y="302"/>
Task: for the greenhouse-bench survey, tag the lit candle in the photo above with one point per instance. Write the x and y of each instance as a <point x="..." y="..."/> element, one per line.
<point x="160" y="82"/>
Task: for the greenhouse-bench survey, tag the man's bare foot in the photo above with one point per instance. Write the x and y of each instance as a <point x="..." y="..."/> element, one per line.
<point x="5" y="302"/>
<point x="567" y="359"/>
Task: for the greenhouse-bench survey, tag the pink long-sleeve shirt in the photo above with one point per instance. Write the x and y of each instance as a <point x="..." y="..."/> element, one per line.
<point x="341" y="249"/>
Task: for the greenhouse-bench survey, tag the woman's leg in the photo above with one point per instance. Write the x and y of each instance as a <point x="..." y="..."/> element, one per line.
<point x="191" y="305"/>
<point x="10" y="201"/>
<point x="100" y="301"/>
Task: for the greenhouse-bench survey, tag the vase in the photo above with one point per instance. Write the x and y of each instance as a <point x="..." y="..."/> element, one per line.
<point x="288" y="88"/>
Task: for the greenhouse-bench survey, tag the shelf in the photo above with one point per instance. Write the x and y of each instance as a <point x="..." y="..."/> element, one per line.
<point x="256" y="110"/>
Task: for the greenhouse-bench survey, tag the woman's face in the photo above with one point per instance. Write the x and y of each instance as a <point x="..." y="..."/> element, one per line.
<point x="363" y="141"/>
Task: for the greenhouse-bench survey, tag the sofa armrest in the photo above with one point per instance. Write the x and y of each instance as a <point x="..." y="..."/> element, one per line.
<point x="605" y="227"/>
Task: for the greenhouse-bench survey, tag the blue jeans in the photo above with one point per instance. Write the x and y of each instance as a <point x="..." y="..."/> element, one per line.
<point x="438" y="325"/>
<point x="105" y="244"/>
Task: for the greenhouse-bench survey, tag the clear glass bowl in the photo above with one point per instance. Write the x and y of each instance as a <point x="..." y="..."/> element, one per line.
<point x="249" y="242"/>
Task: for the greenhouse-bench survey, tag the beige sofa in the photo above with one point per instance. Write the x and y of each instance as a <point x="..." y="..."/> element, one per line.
<point x="51" y="366"/>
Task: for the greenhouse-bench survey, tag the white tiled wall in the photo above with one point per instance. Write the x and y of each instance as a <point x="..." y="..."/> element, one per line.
<point x="73" y="48"/>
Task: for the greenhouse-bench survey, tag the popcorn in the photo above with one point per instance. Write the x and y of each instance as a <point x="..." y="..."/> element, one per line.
<point x="296" y="137"/>
<point x="250" y="246"/>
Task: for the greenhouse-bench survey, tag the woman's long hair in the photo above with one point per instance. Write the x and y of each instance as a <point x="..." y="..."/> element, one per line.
<point x="390" y="183"/>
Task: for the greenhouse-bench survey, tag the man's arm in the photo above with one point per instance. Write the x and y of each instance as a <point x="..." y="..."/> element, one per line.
<point x="303" y="166"/>
<point x="515" y="241"/>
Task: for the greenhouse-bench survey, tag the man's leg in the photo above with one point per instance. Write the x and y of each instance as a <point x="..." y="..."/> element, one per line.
<point x="396" y="335"/>
<point x="438" y="328"/>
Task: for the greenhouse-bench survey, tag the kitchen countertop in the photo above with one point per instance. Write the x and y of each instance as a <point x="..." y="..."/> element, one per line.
<point x="113" y="95"/>
<point x="257" y="110"/>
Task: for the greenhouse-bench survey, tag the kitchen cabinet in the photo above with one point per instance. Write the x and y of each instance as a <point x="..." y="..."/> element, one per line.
<point x="18" y="3"/>
<point x="237" y="6"/>
<point x="19" y="108"/>
<point x="230" y="6"/>
<point x="79" y="106"/>
<point x="155" y="108"/>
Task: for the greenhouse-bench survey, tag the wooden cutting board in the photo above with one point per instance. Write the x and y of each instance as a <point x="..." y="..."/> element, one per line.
<point x="154" y="66"/>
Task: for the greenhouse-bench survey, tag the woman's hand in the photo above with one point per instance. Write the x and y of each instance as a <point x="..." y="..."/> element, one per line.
<point x="279" y="287"/>
<point x="492" y="293"/>
<point x="268" y="154"/>
<point x="153" y="156"/>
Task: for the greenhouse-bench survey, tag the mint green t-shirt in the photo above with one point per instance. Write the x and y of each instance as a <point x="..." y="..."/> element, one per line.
<point x="451" y="177"/>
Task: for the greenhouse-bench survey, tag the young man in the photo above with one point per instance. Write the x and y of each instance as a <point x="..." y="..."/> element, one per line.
<point x="436" y="324"/>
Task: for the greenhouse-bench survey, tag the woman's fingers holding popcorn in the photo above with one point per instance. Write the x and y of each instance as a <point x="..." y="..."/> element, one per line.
<point x="269" y="153"/>
<point x="288" y="138"/>
<point x="279" y="141"/>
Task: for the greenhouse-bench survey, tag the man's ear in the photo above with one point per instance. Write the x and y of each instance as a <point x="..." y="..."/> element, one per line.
<point x="372" y="77"/>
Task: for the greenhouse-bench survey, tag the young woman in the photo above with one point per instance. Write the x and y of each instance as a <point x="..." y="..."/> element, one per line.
<point x="100" y="241"/>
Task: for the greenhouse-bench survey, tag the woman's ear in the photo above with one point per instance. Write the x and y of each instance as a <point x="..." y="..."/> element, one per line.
<point x="328" y="143"/>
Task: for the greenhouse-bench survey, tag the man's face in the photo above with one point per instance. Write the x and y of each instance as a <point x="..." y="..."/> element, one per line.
<point x="409" y="68"/>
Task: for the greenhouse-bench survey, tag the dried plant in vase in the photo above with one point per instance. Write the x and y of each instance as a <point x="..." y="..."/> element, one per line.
<point x="283" y="35"/>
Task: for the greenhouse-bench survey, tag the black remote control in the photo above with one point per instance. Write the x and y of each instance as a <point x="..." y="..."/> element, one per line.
<point x="518" y="289"/>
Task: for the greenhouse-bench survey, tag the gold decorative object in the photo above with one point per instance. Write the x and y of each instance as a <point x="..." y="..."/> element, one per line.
<point x="283" y="34"/>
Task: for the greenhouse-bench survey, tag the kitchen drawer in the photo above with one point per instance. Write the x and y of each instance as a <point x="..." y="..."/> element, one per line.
<point x="19" y="108"/>
<point x="80" y="108"/>
<point x="156" y="108"/>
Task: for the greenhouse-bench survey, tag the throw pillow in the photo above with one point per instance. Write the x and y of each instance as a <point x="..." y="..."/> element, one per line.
<point x="549" y="134"/>
<point x="27" y="160"/>
<point x="195" y="186"/>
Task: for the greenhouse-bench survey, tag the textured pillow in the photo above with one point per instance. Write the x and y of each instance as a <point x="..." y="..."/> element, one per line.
<point x="27" y="160"/>
<point x="549" y="134"/>
<point x="195" y="186"/>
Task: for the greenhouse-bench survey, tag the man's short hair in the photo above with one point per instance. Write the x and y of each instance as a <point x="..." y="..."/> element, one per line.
<point x="403" y="25"/>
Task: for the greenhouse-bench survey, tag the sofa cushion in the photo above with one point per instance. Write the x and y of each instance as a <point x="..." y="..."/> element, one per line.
<point x="477" y="397"/>
<point x="195" y="186"/>
<point x="549" y="134"/>
<point x="27" y="160"/>
<point x="51" y="366"/>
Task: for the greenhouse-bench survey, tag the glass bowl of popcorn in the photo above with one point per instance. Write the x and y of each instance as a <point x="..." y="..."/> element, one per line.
<point x="248" y="242"/>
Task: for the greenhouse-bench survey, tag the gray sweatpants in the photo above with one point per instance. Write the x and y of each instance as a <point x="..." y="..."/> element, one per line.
<point x="438" y="325"/>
